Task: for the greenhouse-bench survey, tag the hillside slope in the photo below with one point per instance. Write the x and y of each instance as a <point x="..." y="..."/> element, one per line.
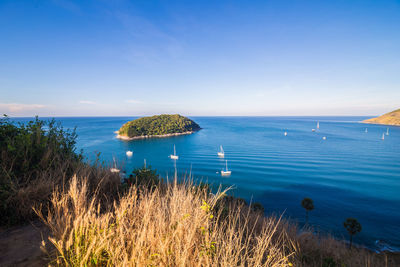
<point x="391" y="118"/>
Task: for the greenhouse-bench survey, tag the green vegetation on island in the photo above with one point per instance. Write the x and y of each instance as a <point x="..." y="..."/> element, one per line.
<point x="159" y="125"/>
<point x="391" y="118"/>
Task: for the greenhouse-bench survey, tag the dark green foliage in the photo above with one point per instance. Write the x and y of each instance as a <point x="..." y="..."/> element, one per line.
<point x="158" y="125"/>
<point x="227" y="203"/>
<point x="26" y="151"/>
<point x="143" y="177"/>
<point x="329" y="262"/>
<point x="308" y="205"/>
<point x="257" y="207"/>
<point x="353" y="227"/>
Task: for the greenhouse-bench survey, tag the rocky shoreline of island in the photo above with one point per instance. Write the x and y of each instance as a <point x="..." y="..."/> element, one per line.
<point x="127" y="138"/>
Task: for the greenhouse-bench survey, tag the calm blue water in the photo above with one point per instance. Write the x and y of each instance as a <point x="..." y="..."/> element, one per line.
<point x="350" y="174"/>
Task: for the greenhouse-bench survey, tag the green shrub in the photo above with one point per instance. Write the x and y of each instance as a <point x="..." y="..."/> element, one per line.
<point x="329" y="262"/>
<point x="257" y="207"/>
<point x="27" y="152"/>
<point x="143" y="177"/>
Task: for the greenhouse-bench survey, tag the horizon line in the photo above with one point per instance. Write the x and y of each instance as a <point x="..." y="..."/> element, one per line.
<point x="115" y="116"/>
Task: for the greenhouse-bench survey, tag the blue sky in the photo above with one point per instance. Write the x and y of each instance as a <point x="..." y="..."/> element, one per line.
<point x="116" y="57"/>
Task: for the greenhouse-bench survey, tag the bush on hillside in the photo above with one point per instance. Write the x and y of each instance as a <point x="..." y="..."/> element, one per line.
<point x="27" y="152"/>
<point x="144" y="176"/>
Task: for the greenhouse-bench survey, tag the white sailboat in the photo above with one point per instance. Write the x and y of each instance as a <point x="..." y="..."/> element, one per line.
<point x="387" y="131"/>
<point x="221" y="152"/>
<point x="226" y="172"/>
<point x="324" y="138"/>
<point x="383" y="136"/>
<point x="318" y="125"/>
<point x="114" y="169"/>
<point x="285" y="133"/>
<point x="174" y="156"/>
<point x="129" y="153"/>
<point x="366" y="130"/>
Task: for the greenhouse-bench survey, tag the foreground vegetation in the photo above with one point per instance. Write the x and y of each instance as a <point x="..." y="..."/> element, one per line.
<point x="170" y="225"/>
<point x="158" y="125"/>
<point x="180" y="224"/>
<point x="95" y="220"/>
<point x="30" y="160"/>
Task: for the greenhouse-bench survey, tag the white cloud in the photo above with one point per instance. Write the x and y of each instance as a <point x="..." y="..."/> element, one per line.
<point x="133" y="101"/>
<point x="87" y="102"/>
<point x="17" y="107"/>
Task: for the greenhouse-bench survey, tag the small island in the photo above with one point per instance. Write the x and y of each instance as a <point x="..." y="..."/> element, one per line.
<point x="391" y="118"/>
<point x="157" y="126"/>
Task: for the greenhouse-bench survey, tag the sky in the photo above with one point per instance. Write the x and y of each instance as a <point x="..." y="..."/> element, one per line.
<point x="199" y="58"/>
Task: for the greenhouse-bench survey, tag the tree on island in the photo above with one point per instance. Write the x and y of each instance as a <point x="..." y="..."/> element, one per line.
<point x="308" y="205"/>
<point x="353" y="227"/>
<point x="158" y="125"/>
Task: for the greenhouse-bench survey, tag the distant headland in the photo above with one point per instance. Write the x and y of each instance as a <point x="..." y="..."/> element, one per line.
<point x="391" y="118"/>
<point x="157" y="126"/>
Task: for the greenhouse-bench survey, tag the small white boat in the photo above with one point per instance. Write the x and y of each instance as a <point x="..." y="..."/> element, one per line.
<point x="114" y="169"/>
<point x="313" y="130"/>
<point x="226" y="172"/>
<point x="174" y="156"/>
<point x="129" y="153"/>
<point x="383" y="136"/>
<point x="285" y="133"/>
<point x="366" y="130"/>
<point x="324" y="138"/>
<point x="221" y="152"/>
<point x="387" y="131"/>
<point x="317" y="125"/>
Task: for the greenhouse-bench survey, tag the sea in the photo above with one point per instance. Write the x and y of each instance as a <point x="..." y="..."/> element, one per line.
<point x="351" y="172"/>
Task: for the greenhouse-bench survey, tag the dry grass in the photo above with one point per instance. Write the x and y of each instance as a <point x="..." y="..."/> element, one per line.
<point x="39" y="191"/>
<point x="172" y="225"/>
<point x="181" y="225"/>
<point x="324" y="250"/>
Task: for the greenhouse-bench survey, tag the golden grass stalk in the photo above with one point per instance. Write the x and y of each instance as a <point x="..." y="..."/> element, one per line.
<point x="171" y="225"/>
